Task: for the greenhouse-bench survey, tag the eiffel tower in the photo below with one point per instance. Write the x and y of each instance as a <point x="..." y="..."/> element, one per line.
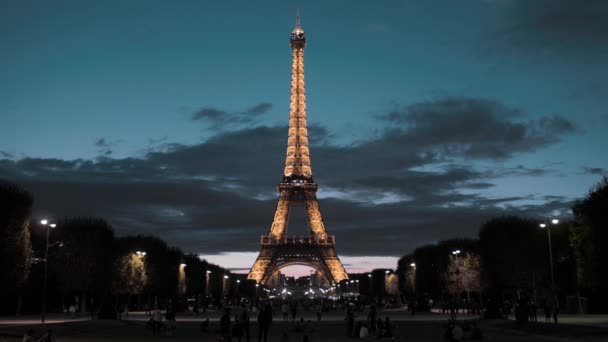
<point x="317" y="250"/>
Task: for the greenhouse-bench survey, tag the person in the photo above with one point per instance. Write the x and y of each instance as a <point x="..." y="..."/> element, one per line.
<point x="170" y="318"/>
<point x="195" y="309"/>
<point x="319" y="315"/>
<point x="49" y="336"/>
<point x="72" y="310"/>
<point x="244" y="321"/>
<point x="264" y="321"/>
<point x="388" y="328"/>
<point x="157" y="318"/>
<point x="28" y="336"/>
<point x="205" y="325"/>
<point x="547" y="309"/>
<point x="350" y="322"/>
<point x="379" y="327"/>
<point x="294" y="311"/>
<point x="299" y="327"/>
<point x="371" y="318"/>
<point x="555" y="311"/>
<point x="237" y="328"/>
<point x="225" y="332"/>
<point x="285" y="310"/>
<point x="364" y="332"/>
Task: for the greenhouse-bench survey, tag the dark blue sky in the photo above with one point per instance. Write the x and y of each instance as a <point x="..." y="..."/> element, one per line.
<point x="428" y="116"/>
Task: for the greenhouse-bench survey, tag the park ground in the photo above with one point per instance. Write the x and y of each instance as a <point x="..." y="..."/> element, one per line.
<point x="422" y="327"/>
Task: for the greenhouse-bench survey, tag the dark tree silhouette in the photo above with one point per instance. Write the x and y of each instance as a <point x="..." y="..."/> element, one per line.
<point x="512" y="256"/>
<point x="15" y="245"/>
<point x="84" y="264"/>
<point x="591" y="244"/>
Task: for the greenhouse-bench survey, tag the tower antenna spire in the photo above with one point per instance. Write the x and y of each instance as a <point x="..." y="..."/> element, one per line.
<point x="298" y="14"/>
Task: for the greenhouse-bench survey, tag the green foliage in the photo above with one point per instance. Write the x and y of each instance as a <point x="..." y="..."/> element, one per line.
<point x="591" y="244"/>
<point x="463" y="273"/>
<point x="15" y="244"/>
<point x="583" y="247"/>
<point x="129" y="274"/>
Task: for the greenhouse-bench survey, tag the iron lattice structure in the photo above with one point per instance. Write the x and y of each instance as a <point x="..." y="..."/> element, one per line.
<point x="317" y="250"/>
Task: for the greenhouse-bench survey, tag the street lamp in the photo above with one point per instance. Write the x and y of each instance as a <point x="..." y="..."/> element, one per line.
<point x="455" y="253"/>
<point x="207" y="275"/>
<point x="45" y="222"/>
<point x="544" y="225"/>
<point x="141" y="255"/>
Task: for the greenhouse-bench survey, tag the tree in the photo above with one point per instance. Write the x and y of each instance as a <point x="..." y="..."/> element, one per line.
<point x="591" y="244"/>
<point x="513" y="256"/>
<point x="129" y="274"/>
<point x="463" y="274"/>
<point x="15" y="244"/>
<point x="392" y="285"/>
<point x="84" y="266"/>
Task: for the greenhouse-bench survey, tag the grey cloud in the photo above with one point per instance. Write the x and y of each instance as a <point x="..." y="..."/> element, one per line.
<point x="209" y="113"/>
<point x="6" y="155"/>
<point x="474" y="128"/>
<point x="259" y="109"/>
<point x="101" y="142"/>
<point x="221" y="119"/>
<point x="219" y="195"/>
<point x="105" y="146"/>
<point x="553" y="29"/>
<point x="593" y="170"/>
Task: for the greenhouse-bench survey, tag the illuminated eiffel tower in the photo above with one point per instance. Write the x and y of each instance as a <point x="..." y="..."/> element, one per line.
<point x="297" y="189"/>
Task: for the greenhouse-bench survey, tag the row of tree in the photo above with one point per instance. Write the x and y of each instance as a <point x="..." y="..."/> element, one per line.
<point x="89" y="266"/>
<point x="511" y="258"/>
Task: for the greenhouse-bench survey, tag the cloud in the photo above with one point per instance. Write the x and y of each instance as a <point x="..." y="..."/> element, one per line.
<point x="474" y="128"/>
<point x="6" y="155"/>
<point x="553" y="29"/>
<point x="209" y="113"/>
<point x="259" y="109"/>
<point x="219" y="195"/>
<point x="221" y="119"/>
<point x="105" y="146"/>
<point x="593" y="170"/>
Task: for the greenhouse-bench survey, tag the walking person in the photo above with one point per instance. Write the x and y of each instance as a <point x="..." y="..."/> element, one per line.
<point x="371" y="319"/>
<point x="29" y="336"/>
<point x="157" y="318"/>
<point x="555" y="309"/>
<point x="547" y="309"/>
<point x="264" y="321"/>
<point x="244" y="321"/>
<point x="225" y="331"/>
<point x="285" y="310"/>
<point x="170" y="319"/>
<point x="350" y="322"/>
<point x="237" y="328"/>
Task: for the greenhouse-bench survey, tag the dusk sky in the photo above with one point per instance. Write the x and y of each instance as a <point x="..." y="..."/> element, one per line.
<point x="426" y="117"/>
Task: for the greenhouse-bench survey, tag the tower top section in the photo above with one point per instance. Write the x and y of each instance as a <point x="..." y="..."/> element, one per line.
<point x="297" y="35"/>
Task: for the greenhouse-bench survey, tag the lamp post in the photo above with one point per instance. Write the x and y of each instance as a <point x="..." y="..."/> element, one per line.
<point x="548" y="226"/>
<point x="48" y="225"/>
<point x="413" y="266"/>
<point x="141" y="255"/>
<point x="455" y="253"/>
<point x="207" y="275"/>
